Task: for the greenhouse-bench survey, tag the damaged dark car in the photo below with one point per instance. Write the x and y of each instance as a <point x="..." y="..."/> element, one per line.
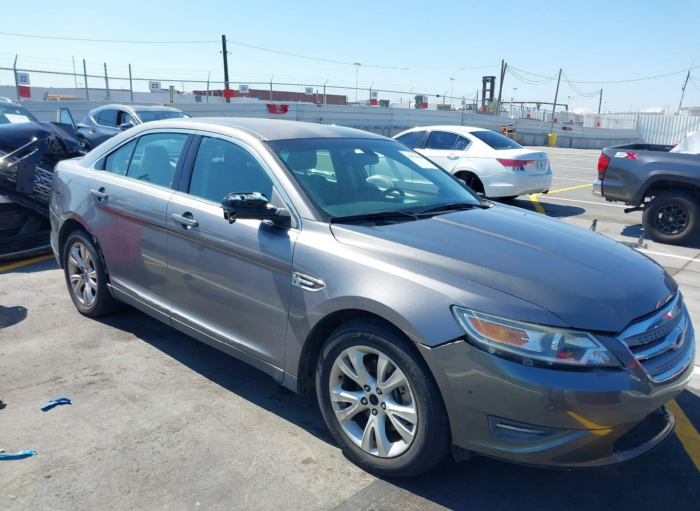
<point x="29" y="150"/>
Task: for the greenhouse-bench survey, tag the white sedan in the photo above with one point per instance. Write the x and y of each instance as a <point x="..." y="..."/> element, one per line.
<point x="487" y="161"/>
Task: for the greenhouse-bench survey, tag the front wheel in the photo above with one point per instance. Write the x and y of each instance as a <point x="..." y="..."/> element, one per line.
<point x="380" y="401"/>
<point x="671" y="217"/>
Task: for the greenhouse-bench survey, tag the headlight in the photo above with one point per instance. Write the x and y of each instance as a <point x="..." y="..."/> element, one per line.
<point x="528" y="342"/>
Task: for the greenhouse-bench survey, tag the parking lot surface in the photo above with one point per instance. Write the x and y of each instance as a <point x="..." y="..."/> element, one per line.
<point x="161" y="421"/>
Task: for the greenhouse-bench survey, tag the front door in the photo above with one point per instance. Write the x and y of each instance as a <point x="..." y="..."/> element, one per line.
<point x="129" y="196"/>
<point x="231" y="282"/>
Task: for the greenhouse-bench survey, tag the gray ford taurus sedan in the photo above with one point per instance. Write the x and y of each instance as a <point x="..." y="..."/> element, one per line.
<point x="425" y="319"/>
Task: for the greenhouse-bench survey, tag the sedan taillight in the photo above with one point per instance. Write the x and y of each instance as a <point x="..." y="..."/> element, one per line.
<point x="512" y="164"/>
<point x="603" y="163"/>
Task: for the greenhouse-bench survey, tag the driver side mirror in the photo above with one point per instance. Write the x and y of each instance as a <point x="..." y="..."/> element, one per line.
<point x="126" y="126"/>
<point x="253" y="205"/>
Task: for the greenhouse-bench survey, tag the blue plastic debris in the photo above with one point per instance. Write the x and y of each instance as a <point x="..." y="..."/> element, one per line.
<point x="55" y="402"/>
<point x="17" y="456"/>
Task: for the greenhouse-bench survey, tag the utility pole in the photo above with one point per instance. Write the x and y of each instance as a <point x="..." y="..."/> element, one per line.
<point x="324" y="92"/>
<point x="556" y="95"/>
<point x="357" y="77"/>
<point x="683" y="93"/>
<point x="131" y="85"/>
<point x="600" y="100"/>
<point x="107" y="83"/>
<point x="87" y="92"/>
<point x="74" y="75"/>
<point x="452" y="88"/>
<point x="225" y="54"/>
<point x="504" y="66"/>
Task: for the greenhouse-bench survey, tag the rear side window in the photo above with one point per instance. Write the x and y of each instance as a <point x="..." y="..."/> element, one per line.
<point x="495" y="140"/>
<point x="118" y="161"/>
<point x="108" y="118"/>
<point x="441" y="140"/>
<point x="413" y="139"/>
<point x="155" y="158"/>
<point x="461" y="144"/>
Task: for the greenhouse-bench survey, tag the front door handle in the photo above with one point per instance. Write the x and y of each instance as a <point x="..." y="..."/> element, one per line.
<point x="187" y="222"/>
<point x="100" y="194"/>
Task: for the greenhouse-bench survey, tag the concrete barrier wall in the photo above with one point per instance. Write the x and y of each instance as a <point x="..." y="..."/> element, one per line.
<point x="385" y="121"/>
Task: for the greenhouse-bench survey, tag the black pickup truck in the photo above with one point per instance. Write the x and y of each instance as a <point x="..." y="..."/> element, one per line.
<point x="662" y="181"/>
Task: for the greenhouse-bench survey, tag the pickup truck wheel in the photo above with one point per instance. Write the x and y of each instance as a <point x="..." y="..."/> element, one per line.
<point x="380" y="402"/>
<point x="671" y="217"/>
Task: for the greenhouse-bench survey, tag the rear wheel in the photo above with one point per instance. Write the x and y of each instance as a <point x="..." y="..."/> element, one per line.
<point x="671" y="217"/>
<point x="472" y="181"/>
<point x="380" y="402"/>
<point x="85" y="277"/>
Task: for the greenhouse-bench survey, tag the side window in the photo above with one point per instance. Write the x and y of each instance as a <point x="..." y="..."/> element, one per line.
<point x="156" y="157"/>
<point x="118" y="161"/>
<point x="125" y="117"/>
<point x="221" y="168"/>
<point x="413" y="139"/>
<point x="108" y="118"/>
<point x="461" y="144"/>
<point x="441" y="140"/>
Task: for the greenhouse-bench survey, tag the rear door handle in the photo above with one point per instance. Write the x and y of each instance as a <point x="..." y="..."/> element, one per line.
<point x="185" y="221"/>
<point x="100" y="194"/>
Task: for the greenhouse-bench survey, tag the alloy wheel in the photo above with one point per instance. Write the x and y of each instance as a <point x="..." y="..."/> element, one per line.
<point x="672" y="219"/>
<point x="373" y="401"/>
<point x="82" y="274"/>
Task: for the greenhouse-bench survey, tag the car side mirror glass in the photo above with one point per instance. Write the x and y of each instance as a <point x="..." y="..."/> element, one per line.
<point x="253" y="205"/>
<point x="126" y="126"/>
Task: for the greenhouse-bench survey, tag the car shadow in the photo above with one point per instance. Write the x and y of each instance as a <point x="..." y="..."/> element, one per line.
<point x="553" y="210"/>
<point x="43" y="265"/>
<point x="663" y="479"/>
<point x="12" y="315"/>
<point x="666" y="478"/>
<point x="226" y="371"/>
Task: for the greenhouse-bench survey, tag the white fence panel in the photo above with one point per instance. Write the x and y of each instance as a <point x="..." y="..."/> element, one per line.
<point x="665" y="129"/>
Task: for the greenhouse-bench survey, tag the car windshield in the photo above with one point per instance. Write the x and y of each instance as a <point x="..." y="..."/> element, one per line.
<point x="495" y="140"/>
<point x="354" y="177"/>
<point x="13" y="114"/>
<point x="159" y="115"/>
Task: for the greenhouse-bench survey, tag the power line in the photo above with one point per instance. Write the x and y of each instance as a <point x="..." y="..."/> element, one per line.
<point x="614" y="81"/>
<point x="122" y="41"/>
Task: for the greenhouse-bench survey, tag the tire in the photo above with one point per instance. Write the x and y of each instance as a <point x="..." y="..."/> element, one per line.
<point x="83" y="267"/>
<point x="671" y="218"/>
<point x="425" y="436"/>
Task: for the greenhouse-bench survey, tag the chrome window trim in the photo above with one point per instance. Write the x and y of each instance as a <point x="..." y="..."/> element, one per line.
<point x="275" y="182"/>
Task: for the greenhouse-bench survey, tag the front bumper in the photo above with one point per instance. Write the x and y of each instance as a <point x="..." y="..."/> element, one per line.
<point x="598" y="188"/>
<point x="510" y="183"/>
<point x="590" y="414"/>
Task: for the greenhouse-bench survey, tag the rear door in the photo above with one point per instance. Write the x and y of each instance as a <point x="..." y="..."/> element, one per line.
<point x="442" y="148"/>
<point x="129" y="194"/>
<point x="229" y="281"/>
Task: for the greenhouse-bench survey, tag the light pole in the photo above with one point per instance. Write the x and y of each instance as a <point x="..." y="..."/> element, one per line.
<point x="452" y="86"/>
<point x="357" y="76"/>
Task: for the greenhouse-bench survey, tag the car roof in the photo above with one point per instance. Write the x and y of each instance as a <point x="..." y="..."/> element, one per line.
<point x="137" y="108"/>
<point x="274" y="129"/>
<point x="458" y="129"/>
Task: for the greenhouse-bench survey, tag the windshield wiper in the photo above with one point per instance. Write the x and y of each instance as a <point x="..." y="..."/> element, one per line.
<point x="374" y="215"/>
<point x="453" y="206"/>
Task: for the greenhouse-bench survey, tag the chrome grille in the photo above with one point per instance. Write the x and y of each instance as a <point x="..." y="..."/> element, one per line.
<point x="662" y="343"/>
<point x="42" y="183"/>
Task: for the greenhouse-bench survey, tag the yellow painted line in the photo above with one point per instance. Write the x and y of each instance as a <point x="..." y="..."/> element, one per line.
<point x="566" y="189"/>
<point x="538" y="206"/>
<point x="686" y="433"/>
<point x="25" y="262"/>
<point x="595" y="428"/>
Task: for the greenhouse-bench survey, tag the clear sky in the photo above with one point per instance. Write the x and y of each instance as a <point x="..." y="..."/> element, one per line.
<point x="591" y="40"/>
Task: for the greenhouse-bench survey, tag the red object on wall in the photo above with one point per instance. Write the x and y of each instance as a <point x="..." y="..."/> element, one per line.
<point x="556" y="120"/>
<point x="425" y="105"/>
<point x="528" y="116"/>
<point x="373" y="102"/>
<point x="277" y="108"/>
<point x="228" y="93"/>
<point x="484" y="109"/>
<point x="25" y="91"/>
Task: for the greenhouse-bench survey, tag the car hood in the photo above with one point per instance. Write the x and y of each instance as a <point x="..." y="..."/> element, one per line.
<point x="589" y="281"/>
